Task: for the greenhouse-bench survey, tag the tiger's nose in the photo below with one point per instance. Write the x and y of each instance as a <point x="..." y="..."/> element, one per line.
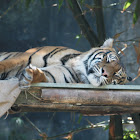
<point x="104" y="73"/>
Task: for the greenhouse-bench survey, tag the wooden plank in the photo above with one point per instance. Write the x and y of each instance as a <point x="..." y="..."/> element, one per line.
<point x="87" y="101"/>
<point x="92" y="97"/>
<point x="87" y="86"/>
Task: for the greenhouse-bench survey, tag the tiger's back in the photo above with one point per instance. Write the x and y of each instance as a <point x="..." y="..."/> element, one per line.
<point x="43" y="56"/>
<point x="13" y="63"/>
<point x="98" y="66"/>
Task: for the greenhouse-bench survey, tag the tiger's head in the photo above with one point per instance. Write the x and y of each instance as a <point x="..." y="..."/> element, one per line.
<point x="101" y="66"/>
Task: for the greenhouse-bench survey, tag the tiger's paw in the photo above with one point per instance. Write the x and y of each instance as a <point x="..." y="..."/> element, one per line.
<point x="32" y="74"/>
<point x="26" y="77"/>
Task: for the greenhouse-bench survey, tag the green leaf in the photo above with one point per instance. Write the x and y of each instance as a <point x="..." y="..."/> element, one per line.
<point x="80" y="118"/>
<point x="78" y="37"/>
<point x="60" y="2"/>
<point x="107" y="127"/>
<point x="27" y="3"/>
<point x="127" y="4"/>
<point x="81" y="1"/>
<point x="42" y="3"/>
<point x="132" y="136"/>
<point x="136" y="13"/>
<point x="70" y="3"/>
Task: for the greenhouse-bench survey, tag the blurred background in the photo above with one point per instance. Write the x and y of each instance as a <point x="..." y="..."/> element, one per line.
<point x="26" y="24"/>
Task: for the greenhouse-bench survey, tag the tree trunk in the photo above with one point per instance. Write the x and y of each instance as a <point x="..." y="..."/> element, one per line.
<point x="115" y="128"/>
<point x="85" y="27"/>
<point x="100" y="20"/>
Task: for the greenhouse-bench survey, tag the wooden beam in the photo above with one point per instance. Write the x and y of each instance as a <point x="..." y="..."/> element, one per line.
<point x="87" y="86"/>
<point x="81" y="98"/>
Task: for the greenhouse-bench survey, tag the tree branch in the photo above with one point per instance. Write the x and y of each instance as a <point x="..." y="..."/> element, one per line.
<point x="85" y="27"/>
<point x="100" y="20"/>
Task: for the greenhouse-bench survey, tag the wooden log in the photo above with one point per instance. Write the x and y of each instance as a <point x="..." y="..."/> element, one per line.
<point x="81" y="98"/>
<point x="92" y="97"/>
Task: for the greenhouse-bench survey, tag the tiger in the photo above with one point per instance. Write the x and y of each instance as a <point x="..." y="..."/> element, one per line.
<point x="99" y="66"/>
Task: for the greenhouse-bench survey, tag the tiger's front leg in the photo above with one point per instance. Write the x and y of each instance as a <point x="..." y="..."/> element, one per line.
<point x="31" y="75"/>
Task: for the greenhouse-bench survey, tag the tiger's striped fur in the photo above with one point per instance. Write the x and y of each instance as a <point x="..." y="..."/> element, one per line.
<point x="98" y="66"/>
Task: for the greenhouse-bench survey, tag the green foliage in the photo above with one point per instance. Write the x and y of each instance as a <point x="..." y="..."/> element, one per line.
<point x="129" y="135"/>
<point x="70" y="3"/>
<point x="136" y="13"/>
<point x="106" y="127"/>
<point x="80" y="118"/>
<point x="81" y="1"/>
<point x="78" y="36"/>
<point x="42" y="3"/>
<point x="28" y="2"/>
<point x="127" y="4"/>
<point x="60" y="2"/>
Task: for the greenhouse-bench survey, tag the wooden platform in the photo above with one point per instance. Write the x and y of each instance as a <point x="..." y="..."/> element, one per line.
<point x="83" y="98"/>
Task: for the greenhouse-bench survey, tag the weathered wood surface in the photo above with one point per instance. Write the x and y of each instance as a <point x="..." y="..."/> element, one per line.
<point x="81" y="98"/>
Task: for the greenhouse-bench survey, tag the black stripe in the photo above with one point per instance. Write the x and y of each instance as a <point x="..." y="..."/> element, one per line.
<point x="86" y="61"/>
<point x="95" y="56"/>
<point x="76" y="79"/>
<point x="19" y="70"/>
<point x="100" y="53"/>
<point x="22" y="75"/>
<point x="66" y="80"/>
<point x="46" y="57"/>
<point x="86" y="65"/>
<point x="3" y="53"/>
<point x="4" y="75"/>
<point x="106" y="53"/>
<point x="30" y="58"/>
<point x="58" y="51"/>
<point x="120" y="82"/>
<point x="17" y="54"/>
<point x="93" y="53"/>
<point x="65" y="58"/>
<point x="50" y="75"/>
<point x="106" y="82"/>
<point x="7" y="57"/>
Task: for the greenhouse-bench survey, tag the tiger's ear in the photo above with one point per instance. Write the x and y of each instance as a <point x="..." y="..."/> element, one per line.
<point x="108" y="43"/>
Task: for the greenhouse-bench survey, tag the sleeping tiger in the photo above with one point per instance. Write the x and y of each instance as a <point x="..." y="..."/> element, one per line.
<point x="98" y="66"/>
